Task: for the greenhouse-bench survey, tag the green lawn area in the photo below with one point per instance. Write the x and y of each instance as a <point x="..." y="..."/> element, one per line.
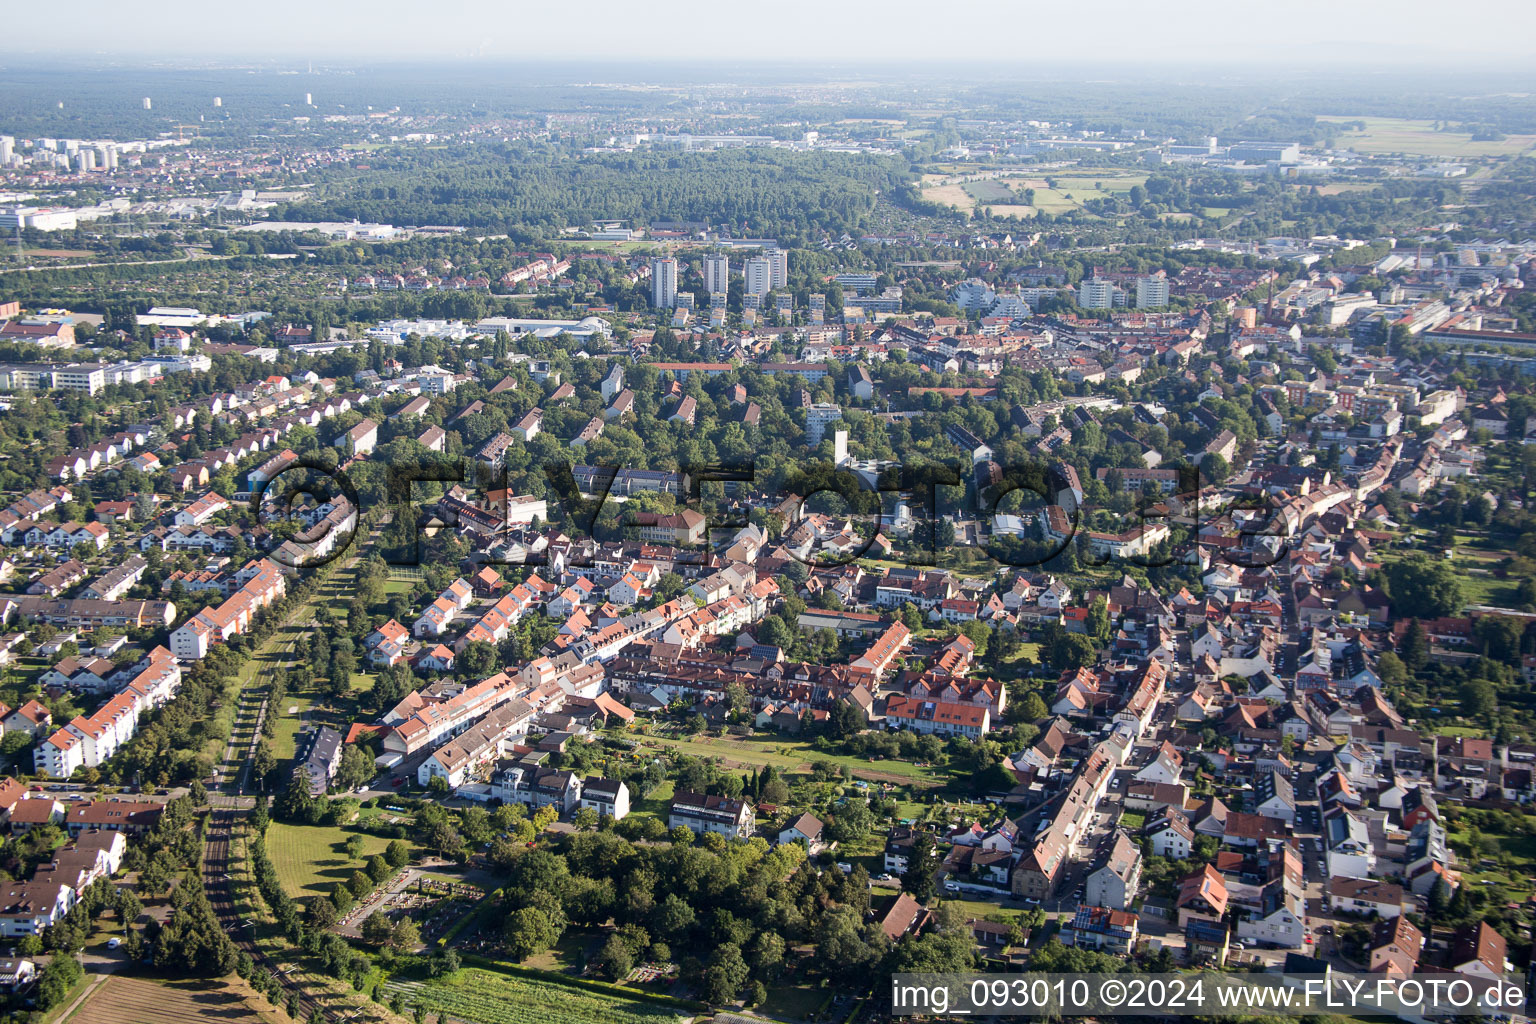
<point x="1133" y="821"/>
<point x="288" y="723"/>
<point x="567" y="956"/>
<point x="310" y="859"/>
<point x="657" y="804"/>
<point x="795" y="755"/>
<point x="1098" y="186"/>
<point x="794" y="1001"/>
<point x="982" y="909"/>
<point x="1519" y="849"/>
<point x="1478" y="584"/>
<point x="1028" y="651"/>
<point x="1050" y="200"/>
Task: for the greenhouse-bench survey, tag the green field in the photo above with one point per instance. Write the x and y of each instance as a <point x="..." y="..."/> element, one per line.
<point x="657" y="804"/>
<point x="991" y="191"/>
<point x="983" y="910"/>
<point x="797" y="1002"/>
<point x="486" y="997"/>
<point x="1005" y="194"/>
<point x="1419" y="138"/>
<point x="1478" y="584"/>
<point x="796" y="756"/>
<point x="310" y="859"/>
<point x="288" y="724"/>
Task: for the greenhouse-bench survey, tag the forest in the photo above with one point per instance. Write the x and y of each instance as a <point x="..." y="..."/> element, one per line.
<point x="754" y="193"/>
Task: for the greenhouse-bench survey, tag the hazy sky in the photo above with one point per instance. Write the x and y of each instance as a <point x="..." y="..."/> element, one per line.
<point x="1191" y="33"/>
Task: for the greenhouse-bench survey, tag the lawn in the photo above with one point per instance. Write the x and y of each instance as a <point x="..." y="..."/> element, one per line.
<point x="982" y="909"/>
<point x="796" y="756"/>
<point x="1028" y="651"/>
<point x="1478" y="584"/>
<point x="1011" y="210"/>
<point x="310" y="859"/>
<point x="290" y="718"/>
<point x="568" y="955"/>
<point x="487" y="997"/>
<point x="1050" y="200"/>
<point x="794" y="1001"/>
<point x="1098" y="186"/>
<point x="657" y="804"/>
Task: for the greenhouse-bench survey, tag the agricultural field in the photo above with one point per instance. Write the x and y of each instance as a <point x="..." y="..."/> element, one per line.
<point x="949" y="195"/>
<point x="1419" y="138"/>
<point x="310" y="859"/>
<point x="485" y="997"/>
<point x="60" y="254"/>
<point x="1005" y="193"/>
<point x="120" y="1000"/>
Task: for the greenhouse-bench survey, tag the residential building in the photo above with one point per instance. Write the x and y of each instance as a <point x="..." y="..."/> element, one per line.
<point x="717" y="275"/>
<point x="757" y="272"/>
<point x="733" y="819"/>
<point x="663" y="282"/>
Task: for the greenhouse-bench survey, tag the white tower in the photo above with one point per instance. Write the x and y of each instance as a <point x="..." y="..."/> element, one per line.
<point x="218" y="101"/>
<point x="663" y="282"/>
<point x="147" y="104"/>
<point x="717" y="274"/>
<point x="758" y="272"/>
<point x="778" y="266"/>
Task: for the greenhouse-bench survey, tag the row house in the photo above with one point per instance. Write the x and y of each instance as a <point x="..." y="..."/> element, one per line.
<point x="263" y="584"/>
<point x="470" y="752"/>
<point x="89" y="741"/>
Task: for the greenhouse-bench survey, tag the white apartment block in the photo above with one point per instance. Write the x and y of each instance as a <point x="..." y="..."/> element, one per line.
<point x="717" y="274"/>
<point x="663" y="282"/>
<point x="758" y="274"/>
<point x="1151" y="292"/>
<point x="817" y="417"/>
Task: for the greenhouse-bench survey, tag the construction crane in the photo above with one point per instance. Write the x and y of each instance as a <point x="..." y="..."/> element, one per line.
<point x="181" y="131"/>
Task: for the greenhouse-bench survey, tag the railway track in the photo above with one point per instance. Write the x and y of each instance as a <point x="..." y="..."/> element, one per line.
<point x="221" y="895"/>
<point x="225" y="812"/>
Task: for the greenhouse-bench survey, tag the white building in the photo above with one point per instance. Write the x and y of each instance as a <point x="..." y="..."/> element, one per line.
<point x="758" y="275"/>
<point x="605" y="796"/>
<point x="717" y="274"/>
<point x="778" y="268"/>
<point x="731" y="818"/>
<point x="1095" y="294"/>
<point x="1151" y="291"/>
<point x="817" y="417"/>
<point x="663" y="282"/>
